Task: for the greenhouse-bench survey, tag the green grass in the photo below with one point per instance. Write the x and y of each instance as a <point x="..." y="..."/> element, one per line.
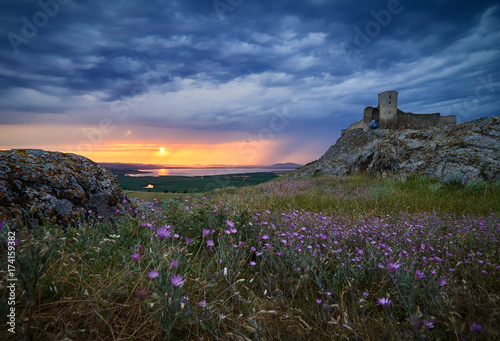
<point x="369" y="195"/>
<point x="192" y="184"/>
<point x="80" y="282"/>
<point x="150" y="196"/>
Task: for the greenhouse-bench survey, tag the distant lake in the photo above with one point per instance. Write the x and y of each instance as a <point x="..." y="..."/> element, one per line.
<point x="204" y="171"/>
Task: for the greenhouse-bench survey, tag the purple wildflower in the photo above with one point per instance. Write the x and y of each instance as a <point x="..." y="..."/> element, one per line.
<point x="206" y="232"/>
<point x="135" y="256"/>
<point x="318" y="301"/>
<point x="143" y="293"/>
<point x="365" y="294"/>
<point x="442" y="281"/>
<point x="476" y="327"/>
<point x="419" y="274"/>
<point x="153" y="274"/>
<point x="210" y="243"/>
<point x="174" y="263"/>
<point x="393" y="266"/>
<point x="252" y="263"/>
<point x="176" y="280"/>
<point x="428" y="324"/>
<point x="163" y="233"/>
<point x="384" y="301"/>
<point x="414" y="321"/>
<point x="202" y="303"/>
<point x="230" y="223"/>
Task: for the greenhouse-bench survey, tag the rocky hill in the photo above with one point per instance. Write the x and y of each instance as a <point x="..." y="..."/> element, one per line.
<point x="63" y="187"/>
<point x="466" y="151"/>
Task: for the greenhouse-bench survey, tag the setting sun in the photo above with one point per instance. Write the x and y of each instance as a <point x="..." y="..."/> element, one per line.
<point x="162" y="150"/>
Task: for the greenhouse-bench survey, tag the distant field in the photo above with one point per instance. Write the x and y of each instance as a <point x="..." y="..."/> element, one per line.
<point x="192" y="184"/>
<point x="149" y="196"/>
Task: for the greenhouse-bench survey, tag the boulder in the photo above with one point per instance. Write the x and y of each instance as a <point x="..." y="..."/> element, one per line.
<point x="466" y="151"/>
<point x="66" y="188"/>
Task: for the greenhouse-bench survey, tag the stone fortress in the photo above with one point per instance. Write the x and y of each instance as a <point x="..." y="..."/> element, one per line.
<point x="388" y="116"/>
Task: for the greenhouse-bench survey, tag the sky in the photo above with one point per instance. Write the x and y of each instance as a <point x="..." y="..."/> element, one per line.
<point x="241" y="82"/>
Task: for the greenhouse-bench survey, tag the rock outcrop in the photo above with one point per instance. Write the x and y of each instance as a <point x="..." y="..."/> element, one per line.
<point x="66" y="188"/>
<point x="466" y="151"/>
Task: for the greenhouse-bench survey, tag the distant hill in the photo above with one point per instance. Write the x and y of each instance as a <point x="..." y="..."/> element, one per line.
<point x="136" y="166"/>
<point x="286" y="165"/>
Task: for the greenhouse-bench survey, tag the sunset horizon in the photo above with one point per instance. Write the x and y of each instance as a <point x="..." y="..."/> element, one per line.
<point x="196" y="83"/>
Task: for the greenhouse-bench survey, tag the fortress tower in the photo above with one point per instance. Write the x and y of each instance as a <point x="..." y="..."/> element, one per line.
<point x="388" y="107"/>
<point x="390" y="117"/>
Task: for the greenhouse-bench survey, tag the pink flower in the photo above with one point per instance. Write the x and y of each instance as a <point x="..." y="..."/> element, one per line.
<point x="384" y="301"/>
<point x="143" y="293"/>
<point x="393" y="266"/>
<point x="177" y="280"/>
<point x="210" y="243"/>
<point x="153" y="274"/>
<point x="428" y="324"/>
<point x="163" y="233"/>
<point x="419" y="274"/>
<point x="476" y="327"/>
<point x="206" y="232"/>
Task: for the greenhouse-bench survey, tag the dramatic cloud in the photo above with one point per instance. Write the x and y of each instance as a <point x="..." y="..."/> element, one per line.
<point x="286" y="74"/>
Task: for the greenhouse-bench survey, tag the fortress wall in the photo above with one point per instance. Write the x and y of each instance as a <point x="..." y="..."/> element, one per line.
<point x="367" y="117"/>
<point x="408" y="120"/>
<point x="444" y="120"/>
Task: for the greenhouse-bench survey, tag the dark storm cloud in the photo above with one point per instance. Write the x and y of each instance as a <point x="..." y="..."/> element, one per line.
<point x="228" y="64"/>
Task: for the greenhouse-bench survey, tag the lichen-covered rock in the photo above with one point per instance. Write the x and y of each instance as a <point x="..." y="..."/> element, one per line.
<point x="64" y="187"/>
<point x="466" y="151"/>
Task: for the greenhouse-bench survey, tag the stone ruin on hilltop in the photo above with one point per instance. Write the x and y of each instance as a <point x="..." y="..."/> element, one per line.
<point x="387" y="115"/>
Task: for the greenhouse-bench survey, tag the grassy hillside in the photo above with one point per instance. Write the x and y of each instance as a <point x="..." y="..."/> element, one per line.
<point x="317" y="259"/>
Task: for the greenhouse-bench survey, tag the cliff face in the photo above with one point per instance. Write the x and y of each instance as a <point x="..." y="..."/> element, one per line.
<point x="468" y="150"/>
<point x="65" y="187"/>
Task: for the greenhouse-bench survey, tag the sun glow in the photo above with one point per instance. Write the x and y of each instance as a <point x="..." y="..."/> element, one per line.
<point x="162" y="150"/>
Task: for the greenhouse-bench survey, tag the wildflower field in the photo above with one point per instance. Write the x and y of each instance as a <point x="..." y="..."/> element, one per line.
<point x="316" y="259"/>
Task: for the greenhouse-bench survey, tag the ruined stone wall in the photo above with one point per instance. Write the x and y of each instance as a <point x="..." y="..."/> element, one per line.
<point x="444" y="120"/>
<point x="367" y="117"/>
<point x="408" y="120"/>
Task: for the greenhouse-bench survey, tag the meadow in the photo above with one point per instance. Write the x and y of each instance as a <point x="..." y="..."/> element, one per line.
<point x="192" y="184"/>
<point x="352" y="258"/>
